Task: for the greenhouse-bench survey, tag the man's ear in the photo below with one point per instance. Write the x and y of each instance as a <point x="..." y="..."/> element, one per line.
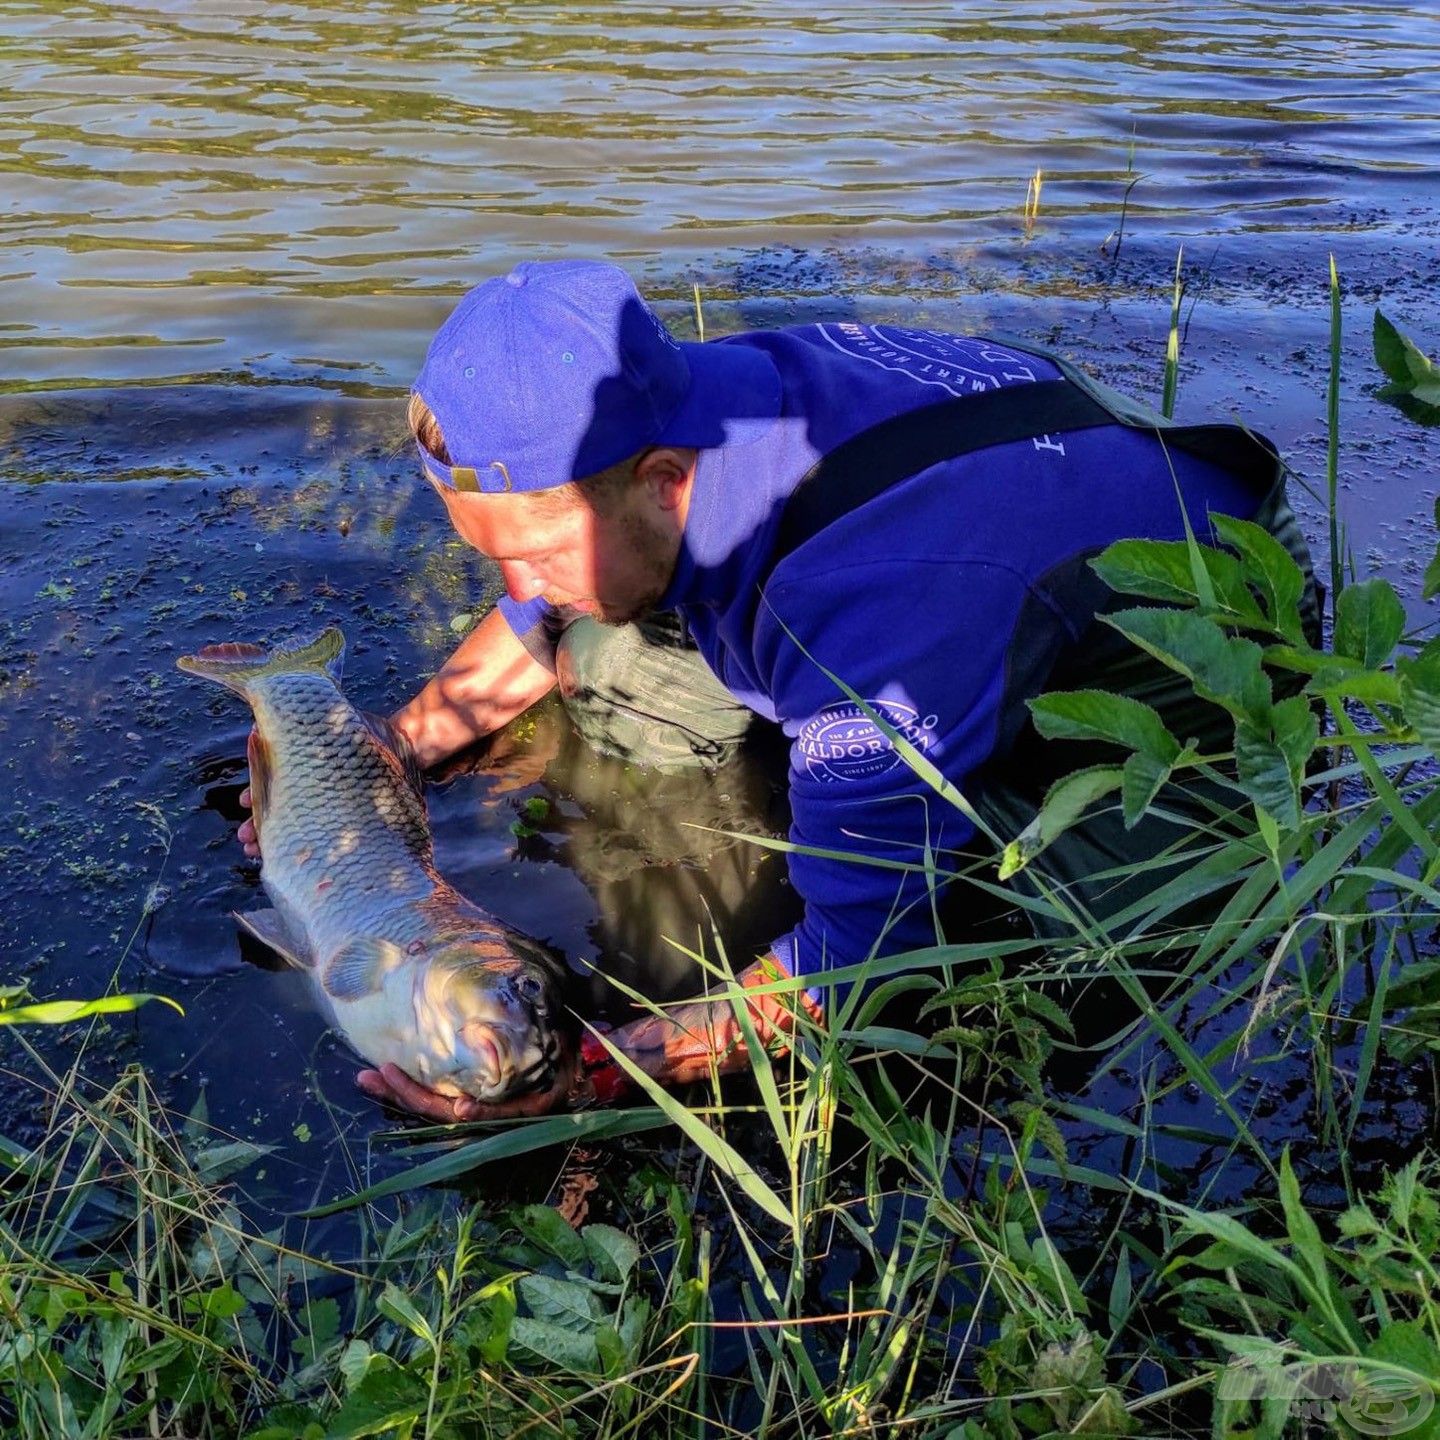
<point x="667" y="470"/>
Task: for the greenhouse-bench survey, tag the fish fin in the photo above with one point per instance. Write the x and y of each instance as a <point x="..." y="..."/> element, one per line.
<point x="359" y="968"/>
<point x="237" y="666"/>
<point x="270" y="929"/>
<point x="390" y="736"/>
<point x="257" y="754"/>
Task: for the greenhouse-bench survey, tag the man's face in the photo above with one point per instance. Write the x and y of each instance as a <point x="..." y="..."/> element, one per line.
<point x="613" y="564"/>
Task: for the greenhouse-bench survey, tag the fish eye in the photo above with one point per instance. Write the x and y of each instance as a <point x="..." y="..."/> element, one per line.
<point x="527" y="986"/>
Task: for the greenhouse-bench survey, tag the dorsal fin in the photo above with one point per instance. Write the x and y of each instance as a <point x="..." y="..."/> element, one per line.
<point x="394" y="740"/>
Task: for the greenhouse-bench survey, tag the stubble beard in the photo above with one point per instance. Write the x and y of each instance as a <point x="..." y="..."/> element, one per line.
<point x="653" y="574"/>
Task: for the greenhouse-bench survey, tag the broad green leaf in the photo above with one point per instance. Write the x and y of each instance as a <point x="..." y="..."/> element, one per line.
<point x="1067" y="800"/>
<point x="384" y="1400"/>
<point x="613" y="1252"/>
<point x="319" y="1325"/>
<point x="1270" y="568"/>
<point x="1222" y="669"/>
<point x="571" y="1352"/>
<point x="1431" y="586"/>
<point x="1408" y="367"/>
<point x="1270" y="760"/>
<point x="214" y="1163"/>
<point x="1420" y="696"/>
<point x="564" y="1302"/>
<point x="1143" y="777"/>
<point x="1369" y="621"/>
<point x="547" y="1229"/>
<point x="1374" y="687"/>
<point x="1404" y="1404"/>
<point x="1161" y="570"/>
<point x="1101" y="715"/>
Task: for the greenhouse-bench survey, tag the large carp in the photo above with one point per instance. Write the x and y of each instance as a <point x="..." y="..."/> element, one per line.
<point x="408" y="969"/>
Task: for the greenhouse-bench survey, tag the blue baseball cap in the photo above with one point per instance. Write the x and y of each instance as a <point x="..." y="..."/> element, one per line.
<point x="559" y="369"/>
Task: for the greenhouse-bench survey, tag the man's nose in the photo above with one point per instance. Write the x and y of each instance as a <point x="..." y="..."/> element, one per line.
<point x="521" y="582"/>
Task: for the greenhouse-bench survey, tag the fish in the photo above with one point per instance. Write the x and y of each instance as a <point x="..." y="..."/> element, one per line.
<point x="408" y="970"/>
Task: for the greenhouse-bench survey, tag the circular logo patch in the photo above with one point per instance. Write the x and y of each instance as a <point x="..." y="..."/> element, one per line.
<point x="844" y="743"/>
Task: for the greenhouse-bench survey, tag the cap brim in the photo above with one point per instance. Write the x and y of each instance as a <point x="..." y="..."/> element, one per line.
<point x="734" y="391"/>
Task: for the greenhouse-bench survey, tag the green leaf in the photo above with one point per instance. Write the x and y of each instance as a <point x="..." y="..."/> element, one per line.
<point x="1101" y="715"/>
<point x="1270" y="760"/>
<point x="564" y="1302"/>
<point x="1143" y="777"/>
<point x="571" y="1352"/>
<point x="1405" y="1405"/>
<point x="1270" y="568"/>
<point x="61" y="1012"/>
<point x="1420" y="696"/>
<point x="385" y="1399"/>
<point x="1409" y="369"/>
<point x="495" y="1342"/>
<point x="399" y="1307"/>
<point x="548" y="1229"/>
<point x="612" y="1251"/>
<point x="1369" y="621"/>
<point x="1430" y="588"/>
<point x="214" y="1163"/>
<point x="1303" y="1232"/>
<point x="1066" y="801"/>
<point x="1161" y="570"/>
<point x="1222" y="669"/>
<point x="320" y="1325"/>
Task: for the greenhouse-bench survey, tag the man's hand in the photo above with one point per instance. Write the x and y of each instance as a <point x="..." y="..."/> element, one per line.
<point x="692" y="1041"/>
<point x="246" y="834"/>
<point x="392" y="1086"/>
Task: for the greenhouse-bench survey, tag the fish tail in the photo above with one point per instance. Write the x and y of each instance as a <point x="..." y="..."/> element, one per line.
<point x="238" y="666"/>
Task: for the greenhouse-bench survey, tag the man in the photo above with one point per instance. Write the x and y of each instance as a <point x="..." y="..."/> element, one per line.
<point x="906" y="511"/>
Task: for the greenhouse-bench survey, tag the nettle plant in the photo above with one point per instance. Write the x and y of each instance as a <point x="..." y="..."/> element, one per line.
<point x="1326" y="824"/>
<point x="1230" y="621"/>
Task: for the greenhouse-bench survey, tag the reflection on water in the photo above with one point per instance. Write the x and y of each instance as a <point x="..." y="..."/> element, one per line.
<point x="204" y="189"/>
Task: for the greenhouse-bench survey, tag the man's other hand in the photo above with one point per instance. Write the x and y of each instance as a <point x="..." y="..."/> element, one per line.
<point x="246" y="834"/>
<point x="689" y="1042"/>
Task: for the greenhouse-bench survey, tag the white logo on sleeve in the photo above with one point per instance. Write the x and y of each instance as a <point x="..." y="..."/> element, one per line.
<point x="844" y="743"/>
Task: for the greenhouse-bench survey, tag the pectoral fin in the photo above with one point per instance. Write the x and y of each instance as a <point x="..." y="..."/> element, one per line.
<point x="359" y="968"/>
<point x="270" y="930"/>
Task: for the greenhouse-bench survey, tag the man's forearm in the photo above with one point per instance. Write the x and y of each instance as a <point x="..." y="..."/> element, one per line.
<point x="489" y="680"/>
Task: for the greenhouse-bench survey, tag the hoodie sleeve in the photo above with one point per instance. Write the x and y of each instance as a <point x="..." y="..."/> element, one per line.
<point x="535" y="623"/>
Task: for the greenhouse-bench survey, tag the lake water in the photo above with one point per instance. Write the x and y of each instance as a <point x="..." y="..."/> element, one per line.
<point x="229" y="231"/>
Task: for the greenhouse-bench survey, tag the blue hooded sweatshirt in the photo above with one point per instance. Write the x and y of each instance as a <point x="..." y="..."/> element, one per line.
<point x="925" y="600"/>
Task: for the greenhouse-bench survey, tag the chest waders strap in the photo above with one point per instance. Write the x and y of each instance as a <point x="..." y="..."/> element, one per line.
<point x="875" y="460"/>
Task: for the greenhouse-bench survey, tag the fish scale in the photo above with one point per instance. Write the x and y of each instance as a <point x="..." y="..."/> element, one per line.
<point x="407" y="968"/>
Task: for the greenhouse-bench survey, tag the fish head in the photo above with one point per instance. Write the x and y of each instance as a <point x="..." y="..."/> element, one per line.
<point x="506" y="1018"/>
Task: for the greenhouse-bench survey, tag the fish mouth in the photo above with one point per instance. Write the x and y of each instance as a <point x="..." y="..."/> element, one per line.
<point x="501" y="1062"/>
